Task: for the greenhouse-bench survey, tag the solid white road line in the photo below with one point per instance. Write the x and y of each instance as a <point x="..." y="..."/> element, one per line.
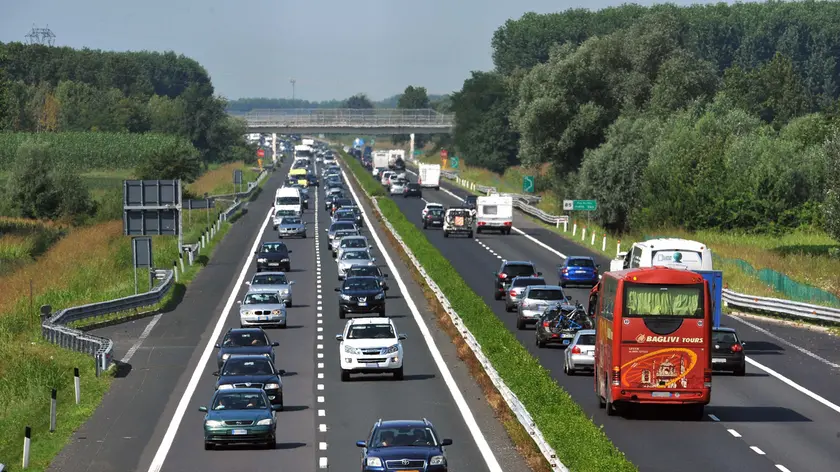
<point x="172" y="430"/>
<point x="787" y="343"/>
<point x="795" y="385"/>
<point x="449" y="380"/>
<point x="143" y="336"/>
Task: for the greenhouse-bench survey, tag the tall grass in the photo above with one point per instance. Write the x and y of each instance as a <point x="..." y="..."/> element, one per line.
<point x="22" y="240"/>
<point x="218" y="180"/>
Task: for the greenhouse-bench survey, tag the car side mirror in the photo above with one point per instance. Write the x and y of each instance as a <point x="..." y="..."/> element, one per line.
<point x="218" y="346"/>
<point x="743" y="343"/>
<point x="373" y="259"/>
<point x="291" y="282"/>
<point x="337" y="289"/>
<point x="281" y="372"/>
<point x="361" y="443"/>
<point x="275" y="344"/>
<point x="202" y="408"/>
<point x="446" y="442"/>
<point x="538" y="273"/>
<point x="247" y="282"/>
<point x="238" y="302"/>
<point x="327" y="230"/>
<point x="216" y="374"/>
<point x="339" y="337"/>
<point x="401" y="337"/>
<point x="290" y="252"/>
<point x="597" y="266"/>
<point x="568" y="298"/>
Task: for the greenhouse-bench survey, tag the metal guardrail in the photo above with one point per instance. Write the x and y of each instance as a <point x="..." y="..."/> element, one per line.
<point x="54" y="329"/>
<point x="769" y="305"/>
<point x="513" y="402"/>
<point x="348" y="118"/>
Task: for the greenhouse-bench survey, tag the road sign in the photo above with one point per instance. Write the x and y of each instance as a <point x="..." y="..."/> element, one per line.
<point x="237" y="177"/>
<point x="372" y="142"/>
<point x="260" y="153"/>
<point x="454" y="161"/>
<point x="580" y="205"/>
<point x="151" y="207"/>
<point x="418" y="152"/>
<point x="443" y="163"/>
<point x="528" y="184"/>
<point x="444" y="153"/>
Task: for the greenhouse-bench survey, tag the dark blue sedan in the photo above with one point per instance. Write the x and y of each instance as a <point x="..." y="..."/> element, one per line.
<point x="578" y="270"/>
<point x="408" y="445"/>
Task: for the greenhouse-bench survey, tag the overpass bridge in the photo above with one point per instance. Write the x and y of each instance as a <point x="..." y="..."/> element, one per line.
<point x="378" y="121"/>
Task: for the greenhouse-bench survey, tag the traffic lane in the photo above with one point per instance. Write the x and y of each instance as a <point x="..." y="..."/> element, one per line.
<point x="816" y="340"/>
<point x="126" y="426"/>
<point x="678" y="439"/>
<point x="799" y="435"/>
<point x="353" y="407"/>
<point x="296" y="446"/>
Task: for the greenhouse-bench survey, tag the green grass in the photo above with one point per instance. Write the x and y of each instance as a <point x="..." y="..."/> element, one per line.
<point x="580" y="444"/>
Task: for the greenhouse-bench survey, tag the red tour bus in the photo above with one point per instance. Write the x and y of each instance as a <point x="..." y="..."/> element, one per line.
<point x="653" y="339"/>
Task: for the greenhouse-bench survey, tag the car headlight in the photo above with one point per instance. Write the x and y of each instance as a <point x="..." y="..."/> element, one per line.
<point x="380" y="296"/>
<point x="225" y="356"/>
<point x="225" y="387"/>
<point x="276" y="312"/>
<point x="265" y="422"/>
<point x="437" y="460"/>
<point x="391" y="350"/>
<point x="352" y="350"/>
<point x="344" y="297"/>
<point x="214" y="423"/>
<point x="374" y="462"/>
<point x="285" y="291"/>
<point x="262" y="259"/>
<point x="371" y="263"/>
<point x="245" y="313"/>
<point x="284" y="260"/>
<point x="272" y="386"/>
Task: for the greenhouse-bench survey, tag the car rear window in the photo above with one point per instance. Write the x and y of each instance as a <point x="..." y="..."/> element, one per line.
<point x="515" y="270"/>
<point x="581" y="263"/>
<point x="724" y="337"/>
<point x="545" y="294"/>
<point x="528" y="281"/>
<point x="586" y="340"/>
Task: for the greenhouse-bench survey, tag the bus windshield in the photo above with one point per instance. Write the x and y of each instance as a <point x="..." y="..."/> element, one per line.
<point x="684" y="301"/>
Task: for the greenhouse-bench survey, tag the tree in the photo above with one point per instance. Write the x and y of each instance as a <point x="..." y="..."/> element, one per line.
<point x="359" y="101"/>
<point x="831" y="206"/>
<point x="177" y="161"/>
<point x="413" y="98"/>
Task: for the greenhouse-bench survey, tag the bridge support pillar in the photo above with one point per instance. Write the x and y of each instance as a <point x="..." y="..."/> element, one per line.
<point x="411" y="149"/>
<point x="274" y="146"/>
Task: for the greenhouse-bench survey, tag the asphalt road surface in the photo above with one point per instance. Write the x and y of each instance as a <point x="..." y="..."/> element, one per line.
<point x="782" y="416"/>
<point x="150" y="421"/>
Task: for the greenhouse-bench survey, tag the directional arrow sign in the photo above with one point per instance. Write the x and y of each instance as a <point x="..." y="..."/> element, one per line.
<point x="580" y="205"/>
<point x="454" y="161"/>
<point x="528" y="184"/>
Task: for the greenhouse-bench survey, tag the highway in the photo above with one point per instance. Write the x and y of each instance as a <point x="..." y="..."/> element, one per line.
<point x="772" y="419"/>
<point x="150" y="420"/>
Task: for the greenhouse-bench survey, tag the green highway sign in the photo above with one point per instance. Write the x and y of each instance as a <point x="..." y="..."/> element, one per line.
<point x="528" y="184"/>
<point x="580" y="205"/>
<point x="453" y="162"/>
<point x="418" y="152"/>
<point x="372" y="142"/>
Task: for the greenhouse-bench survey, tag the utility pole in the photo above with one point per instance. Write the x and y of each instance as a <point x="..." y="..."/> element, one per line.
<point x="293" y="81"/>
<point x="42" y="36"/>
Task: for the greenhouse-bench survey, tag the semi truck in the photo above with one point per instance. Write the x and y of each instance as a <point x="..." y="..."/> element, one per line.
<point x="428" y="176"/>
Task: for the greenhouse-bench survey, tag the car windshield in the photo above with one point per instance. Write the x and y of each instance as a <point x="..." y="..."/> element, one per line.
<point x="239" y="401"/>
<point x="365" y="271"/>
<point x="342" y="225"/>
<point x="545" y="294"/>
<point x="587" y="263"/>
<point x="360" y="284"/>
<point x="402" y="436"/>
<point x="436" y="212"/>
<point x="526" y="281"/>
<point x="247" y="366"/>
<point x="724" y="337"/>
<point x="586" y="340"/>
<point x="353" y="242"/>
<point x="355" y="255"/>
<point x="371" y="331"/>
<point x="287" y="201"/>
<point x="273" y="248"/>
<point x="516" y="270"/>
<point x="269" y="279"/>
<point x="261" y="299"/>
<point x="290" y="221"/>
<point x="243" y="339"/>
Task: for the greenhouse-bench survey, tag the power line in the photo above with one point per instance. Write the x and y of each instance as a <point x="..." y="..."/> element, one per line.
<point x="42" y="36"/>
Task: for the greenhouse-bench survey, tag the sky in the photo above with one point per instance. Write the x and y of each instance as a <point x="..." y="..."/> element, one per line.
<point x="332" y="48"/>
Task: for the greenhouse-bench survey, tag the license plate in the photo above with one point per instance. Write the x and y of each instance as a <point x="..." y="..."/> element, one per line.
<point x="718" y="361"/>
<point x="239" y="432"/>
<point x="580" y="272"/>
<point x="262" y="318"/>
<point x="661" y="394"/>
<point x="371" y="364"/>
<point x="566" y="341"/>
<point x="567" y="335"/>
<point x="274" y="263"/>
<point x="362" y="303"/>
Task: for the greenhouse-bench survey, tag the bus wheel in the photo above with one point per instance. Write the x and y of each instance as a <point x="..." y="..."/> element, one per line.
<point x="610" y="406"/>
<point x="694" y="412"/>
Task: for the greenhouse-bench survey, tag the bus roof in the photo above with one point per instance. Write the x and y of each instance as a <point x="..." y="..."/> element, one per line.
<point x="674" y="244"/>
<point x="657" y="275"/>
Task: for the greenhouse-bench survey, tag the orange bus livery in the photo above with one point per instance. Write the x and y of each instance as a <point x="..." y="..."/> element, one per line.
<point x="653" y="339"/>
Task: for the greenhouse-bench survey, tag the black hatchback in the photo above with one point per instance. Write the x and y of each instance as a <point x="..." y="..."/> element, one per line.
<point x="273" y="256"/>
<point x="434" y="218"/>
<point x="728" y="352"/>
<point x="413" y="190"/>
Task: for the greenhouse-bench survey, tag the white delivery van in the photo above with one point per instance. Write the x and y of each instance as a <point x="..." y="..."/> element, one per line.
<point x="380" y="159"/>
<point x="308" y="142"/>
<point x="495" y="213"/>
<point x="304" y="150"/>
<point x="428" y="176"/>
<point x="287" y="202"/>
<point x="669" y="252"/>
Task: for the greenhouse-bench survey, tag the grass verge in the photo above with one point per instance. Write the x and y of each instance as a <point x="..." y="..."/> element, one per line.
<point x="218" y="180"/>
<point x="580" y="444"/>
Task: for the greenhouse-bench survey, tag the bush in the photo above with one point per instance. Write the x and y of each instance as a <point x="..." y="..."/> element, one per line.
<point x="177" y="160"/>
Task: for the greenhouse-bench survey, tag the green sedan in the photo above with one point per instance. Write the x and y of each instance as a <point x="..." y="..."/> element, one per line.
<point x="239" y="416"/>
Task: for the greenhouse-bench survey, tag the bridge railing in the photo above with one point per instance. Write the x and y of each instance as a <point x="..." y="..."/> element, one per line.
<point x="345" y="117"/>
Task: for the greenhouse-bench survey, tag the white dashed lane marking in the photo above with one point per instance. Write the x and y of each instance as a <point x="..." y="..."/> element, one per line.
<point x="319" y="347"/>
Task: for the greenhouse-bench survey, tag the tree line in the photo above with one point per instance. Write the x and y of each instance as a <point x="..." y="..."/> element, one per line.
<point x="55" y="96"/>
<point x="708" y="116"/>
<point x="244" y="105"/>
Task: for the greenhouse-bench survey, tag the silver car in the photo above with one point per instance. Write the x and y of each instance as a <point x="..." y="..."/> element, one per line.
<point x="580" y="354"/>
<point x="340" y="226"/>
<point x="339" y="235"/>
<point x="517" y="288"/>
<point x="262" y="309"/>
<point x="291" y="226"/>
<point x="397" y="186"/>
<point x="354" y="257"/>
<point x="272" y="282"/>
<point x="351" y="243"/>
<point x="536" y="299"/>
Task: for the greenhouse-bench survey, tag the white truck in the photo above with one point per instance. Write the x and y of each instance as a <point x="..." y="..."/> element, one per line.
<point x="495" y="213"/>
<point x="308" y="142"/>
<point x="396" y="159"/>
<point x="670" y="252"/>
<point x="380" y="159"/>
<point x="303" y="150"/>
<point x="428" y="176"/>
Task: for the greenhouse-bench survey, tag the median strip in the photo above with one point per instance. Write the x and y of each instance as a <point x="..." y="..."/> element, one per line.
<point x="578" y="444"/>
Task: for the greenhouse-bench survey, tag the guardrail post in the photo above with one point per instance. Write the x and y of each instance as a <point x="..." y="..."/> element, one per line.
<point x="583" y="234"/>
<point x="574" y="229"/>
<point x="77" y="385"/>
<point x="604" y="243"/>
<point x="27" y="443"/>
<point x="52" y="410"/>
<point x="566" y="226"/>
<point x="592" y="243"/>
<point x="175" y="270"/>
<point x="618" y="248"/>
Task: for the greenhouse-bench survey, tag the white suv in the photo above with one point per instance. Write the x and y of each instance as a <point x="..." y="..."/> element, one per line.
<point x="370" y="346"/>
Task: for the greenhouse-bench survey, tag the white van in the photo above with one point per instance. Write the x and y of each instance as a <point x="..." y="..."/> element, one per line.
<point x="287" y="202"/>
<point x="495" y="212"/>
<point x="669" y="252"/>
<point x="428" y="176"/>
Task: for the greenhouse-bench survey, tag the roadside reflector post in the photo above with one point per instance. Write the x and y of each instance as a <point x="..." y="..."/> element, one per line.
<point x="618" y="248"/>
<point x="27" y="443"/>
<point x="574" y="229"/>
<point x="592" y="243"/>
<point x="566" y="226"/>
<point x="77" y="385"/>
<point x="583" y="234"/>
<point x="604" y="243"/>
<point x="175" y="269"/>
<point x="52" y="410"/>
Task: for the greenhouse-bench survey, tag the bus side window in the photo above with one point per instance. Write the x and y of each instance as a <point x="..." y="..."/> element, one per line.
<point x="636" y="259"/>
<point x="593" y="305"/>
